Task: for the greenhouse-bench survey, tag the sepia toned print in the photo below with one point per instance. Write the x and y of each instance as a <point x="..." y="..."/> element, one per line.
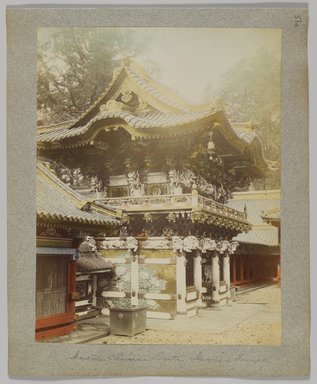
<point x="158" y="186"/>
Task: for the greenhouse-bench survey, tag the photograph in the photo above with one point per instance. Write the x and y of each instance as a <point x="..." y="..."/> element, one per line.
<point x="158" y="186"/>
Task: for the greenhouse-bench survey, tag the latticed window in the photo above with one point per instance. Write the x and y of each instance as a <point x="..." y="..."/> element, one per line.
<point x="190" y="270"/>
<point x="51" y="285"/>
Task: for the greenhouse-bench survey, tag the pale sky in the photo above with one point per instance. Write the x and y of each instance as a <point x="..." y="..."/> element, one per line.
<point x="192" y="58"/>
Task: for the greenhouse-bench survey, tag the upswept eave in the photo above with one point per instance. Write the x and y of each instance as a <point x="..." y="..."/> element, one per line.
<point x="137" y="76"/>
<point x="57" y="201"/>
<point x="178" y="118"/>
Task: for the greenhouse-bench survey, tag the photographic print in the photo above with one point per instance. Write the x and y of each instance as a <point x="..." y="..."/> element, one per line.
<point x="158" y="212"/>
<point x="158" y="186"/>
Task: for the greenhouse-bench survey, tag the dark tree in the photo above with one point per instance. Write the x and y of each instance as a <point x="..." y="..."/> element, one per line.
<point x="75" y="65"/>
<point x="251" y="92"/>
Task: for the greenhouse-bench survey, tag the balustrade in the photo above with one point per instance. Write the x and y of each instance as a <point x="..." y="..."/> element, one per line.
<point x="184" y="201"/>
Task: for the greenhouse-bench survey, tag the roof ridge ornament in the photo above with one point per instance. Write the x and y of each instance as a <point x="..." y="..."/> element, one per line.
<point x="111" y="105"/>
<point x="126" y="94"/>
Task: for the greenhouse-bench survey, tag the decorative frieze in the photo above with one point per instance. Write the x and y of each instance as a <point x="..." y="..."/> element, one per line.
<point x="222" y="246"/>
<point x="89" y="242"/>
<point x="188" y="244"/>
<point x="177" y="243"/>
<point x="156" y="243"/>
<point x="191" y="243"/>
<point x="233" y="247"/>
<point x="207" y="244"/>
<point x="118" y="243"/>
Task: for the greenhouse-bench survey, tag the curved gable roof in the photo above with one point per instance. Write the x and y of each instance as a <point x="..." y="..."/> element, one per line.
<point x="172" y="116"/>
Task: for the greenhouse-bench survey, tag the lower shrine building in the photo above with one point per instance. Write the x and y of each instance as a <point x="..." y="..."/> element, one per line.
<point x="64" y="219"/>
<point x="257" y="258"/>
<point x="171" y="168"/>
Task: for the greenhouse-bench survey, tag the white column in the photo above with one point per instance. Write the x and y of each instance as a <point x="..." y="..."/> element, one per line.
<point x="226" y="271"/>
<point x="198" y="276"/>
<point x="181" y="282"/>
<point x="134" y="278"/>
<point x="94" y="290"/>
<point x="215" y="278"/>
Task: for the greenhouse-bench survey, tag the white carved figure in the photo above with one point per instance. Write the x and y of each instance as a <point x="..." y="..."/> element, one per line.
<point x="143" y="105"/>
<point x="100" y="185"/>
<point x="126" y="94"/>
<point x="173" y="179"/>
<point x="171" y="217"/>
<point x="190" y="243"/>
<point x="175" y="182"/>
<point x="132" y="243"/>
<point x="207" y="244"/>
<point x="232" y="247"/>
<point x="111" y="105"/>
<point x="178" y="190"/>
<point x="148" y="218"/>
<point x="222" y="246"/>
<point x="187" y="178"/>
<point x="177" y="243"/>
<point x="136" y="188"/>
<point x="77" y="176"/>
<point x="91" y="243"/>
<point x="66" y="176"/>
<point x="204" y="186"/>
<point x="94" y="183"/>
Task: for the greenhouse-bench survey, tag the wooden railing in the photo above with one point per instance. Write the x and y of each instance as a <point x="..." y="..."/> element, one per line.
<point x="172" y="202"/>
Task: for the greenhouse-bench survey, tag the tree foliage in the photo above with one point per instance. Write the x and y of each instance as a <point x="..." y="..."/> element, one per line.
<point x="251" y="92"/>
<point x="74" y="67"/>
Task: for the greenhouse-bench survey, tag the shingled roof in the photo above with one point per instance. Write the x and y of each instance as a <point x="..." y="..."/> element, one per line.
<point x="168" y="116"/>
<point x="150" y="121"/>
<point x="56" y="201"/>
<point x="256" y="202"/>
<point x="91" y="261"/>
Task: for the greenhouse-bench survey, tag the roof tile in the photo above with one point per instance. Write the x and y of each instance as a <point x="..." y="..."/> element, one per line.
<point x="54" y="199"/>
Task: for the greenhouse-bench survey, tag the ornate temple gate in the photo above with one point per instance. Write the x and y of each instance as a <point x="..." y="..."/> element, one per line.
<point x="166" y="168"/>
<point x="167" y="275"/>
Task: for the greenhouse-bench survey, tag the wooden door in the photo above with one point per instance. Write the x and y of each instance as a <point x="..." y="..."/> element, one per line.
<point x="55" y="287"/>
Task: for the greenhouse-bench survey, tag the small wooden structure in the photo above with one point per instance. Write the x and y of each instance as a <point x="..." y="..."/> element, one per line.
<point x="258" y="255"/>
<point x="61" y="227"/>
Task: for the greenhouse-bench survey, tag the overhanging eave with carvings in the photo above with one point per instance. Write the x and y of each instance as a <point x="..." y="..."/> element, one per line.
<point x="200" y="209"/>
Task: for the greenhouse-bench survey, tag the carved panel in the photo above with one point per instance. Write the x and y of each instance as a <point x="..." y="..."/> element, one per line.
<point x="156" y="189"/>
<point x="118" y="191"/>
<point x="156" y="243"/>
<point x="156" y="177"/>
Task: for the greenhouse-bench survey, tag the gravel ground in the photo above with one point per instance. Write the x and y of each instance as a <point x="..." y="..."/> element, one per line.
<point x="262" y="329"/>
<point x="270" y="296"/>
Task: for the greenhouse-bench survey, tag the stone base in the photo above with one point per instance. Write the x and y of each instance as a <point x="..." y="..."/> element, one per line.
<point x="127" y="321"/>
